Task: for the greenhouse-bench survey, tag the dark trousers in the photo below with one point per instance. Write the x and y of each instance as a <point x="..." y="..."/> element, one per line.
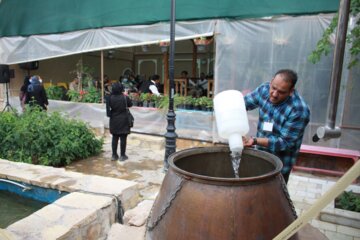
<point x="286" y="176"/>
<point x="115" y="141"/>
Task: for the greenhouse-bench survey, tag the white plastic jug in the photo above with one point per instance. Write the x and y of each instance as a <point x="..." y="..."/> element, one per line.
<point x="231" y="118"/>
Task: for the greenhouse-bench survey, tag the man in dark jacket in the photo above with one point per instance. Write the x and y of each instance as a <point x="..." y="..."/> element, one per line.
<point x="151" y="86"/>
<point x="36" y="94"/>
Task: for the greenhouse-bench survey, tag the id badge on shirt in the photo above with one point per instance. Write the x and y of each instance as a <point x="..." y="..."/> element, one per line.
<point x="268" y="126"/>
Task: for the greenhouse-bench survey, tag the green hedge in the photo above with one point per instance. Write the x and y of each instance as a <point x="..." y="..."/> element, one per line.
<point x="45" y="139"/>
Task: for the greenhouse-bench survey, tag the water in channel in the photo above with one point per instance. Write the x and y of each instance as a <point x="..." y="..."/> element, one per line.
<point x="235" y="160"/>
<point x="14" y="207"/>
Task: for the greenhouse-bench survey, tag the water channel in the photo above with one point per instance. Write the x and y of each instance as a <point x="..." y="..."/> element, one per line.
<point x="14" y="207"/>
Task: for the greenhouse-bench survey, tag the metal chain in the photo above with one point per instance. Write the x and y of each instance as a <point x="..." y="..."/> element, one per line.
<point x="150" y="226"/>
<point x="284" y="187"/>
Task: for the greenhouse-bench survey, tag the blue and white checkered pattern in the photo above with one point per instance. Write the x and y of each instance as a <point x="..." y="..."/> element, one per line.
<point x="289" y="120"/>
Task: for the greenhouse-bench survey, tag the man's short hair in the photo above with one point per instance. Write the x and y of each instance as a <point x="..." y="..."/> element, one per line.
<point x="288" y="75"/>
<point x="155" y="77"/>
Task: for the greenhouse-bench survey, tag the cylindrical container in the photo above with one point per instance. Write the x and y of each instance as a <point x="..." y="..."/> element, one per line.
<point x="231" y="118"/>
<point x="200" y="199"/>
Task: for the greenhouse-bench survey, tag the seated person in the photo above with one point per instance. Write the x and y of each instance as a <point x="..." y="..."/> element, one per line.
<point x="150" y="86"/>
<point x="74" y="84"/>
<point x="198" y="88"/>
<point x="107" y="85"/>
<point x="36" y="94"/>
<point x="128" y="81"/>
<point x="202" y="84"/>
<point x="134" y="83"/>
<point x="184" y="75"/>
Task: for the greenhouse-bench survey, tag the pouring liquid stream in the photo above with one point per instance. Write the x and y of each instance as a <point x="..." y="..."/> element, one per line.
<point x="235" y="160"/>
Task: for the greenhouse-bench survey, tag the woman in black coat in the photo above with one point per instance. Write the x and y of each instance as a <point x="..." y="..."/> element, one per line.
<point x="119" y="126"/>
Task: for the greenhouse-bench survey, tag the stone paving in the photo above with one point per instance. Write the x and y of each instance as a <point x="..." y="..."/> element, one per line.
<point x="145" y="166"/>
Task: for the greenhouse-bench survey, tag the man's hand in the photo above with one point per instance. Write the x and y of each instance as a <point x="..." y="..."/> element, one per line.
<point x="248" y="142"/>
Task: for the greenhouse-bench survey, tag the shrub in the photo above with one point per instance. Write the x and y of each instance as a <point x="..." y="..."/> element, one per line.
<point x="164" y="102"/>
<point x="189" y="100"/>
<point x="55" y="92"/>
<point x="88" y="95"/>
<point x="52" y="140"/>
<point x="156" y="99"/>
<point x="134" y="96"/>
<point x="348" y="201"/>
<point x="92" y="95"/>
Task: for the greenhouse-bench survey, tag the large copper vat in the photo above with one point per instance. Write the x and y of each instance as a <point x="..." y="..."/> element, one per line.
<point x="201" y="199"/>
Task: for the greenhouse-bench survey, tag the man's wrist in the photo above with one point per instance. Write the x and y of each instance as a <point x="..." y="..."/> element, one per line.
<point x="255" y="141"/>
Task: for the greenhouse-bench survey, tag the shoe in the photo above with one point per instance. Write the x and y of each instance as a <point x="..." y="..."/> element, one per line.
<point x="123" y="158"/>
<point x="114" y="157"/>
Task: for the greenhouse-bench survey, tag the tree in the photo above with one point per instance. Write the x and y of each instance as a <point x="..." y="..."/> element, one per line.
<point x="323" y="46"/>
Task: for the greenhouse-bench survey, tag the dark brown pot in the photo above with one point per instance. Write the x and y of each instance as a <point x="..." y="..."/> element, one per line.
<point x="200" y="198"/>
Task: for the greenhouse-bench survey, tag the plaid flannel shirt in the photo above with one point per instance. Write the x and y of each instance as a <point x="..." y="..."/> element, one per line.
<point x="289" y="120"/>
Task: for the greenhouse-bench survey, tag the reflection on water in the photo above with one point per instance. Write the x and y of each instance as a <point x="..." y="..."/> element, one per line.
<point x="14" y="207"/>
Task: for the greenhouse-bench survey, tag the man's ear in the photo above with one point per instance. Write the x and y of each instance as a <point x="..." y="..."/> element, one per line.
<point x="292" y="91"/>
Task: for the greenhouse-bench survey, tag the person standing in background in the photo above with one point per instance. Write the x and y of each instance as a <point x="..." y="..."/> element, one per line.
<point x="283" y="117"/>
<point x="23" y="92"/>
<point x="116" y="105"/>
<point x="36" y="94"/>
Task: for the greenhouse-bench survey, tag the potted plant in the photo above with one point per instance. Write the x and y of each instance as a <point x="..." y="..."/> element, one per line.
<point x="202" y="42"/>
<point x="146" y="99"/>
<point x="209" y="104"/>
<point x="73" y="95"/>
<point x="203" y="101"/>
<point x="179" y="102"/>
<point x="152" y="99"/>
<point x="197" y="103"/>
<point x="90" y="95"/>
<point x="189" y="102"/>
<point x="156" y="100"/>
<point x="135" y="98"/>
<point x="143" y="100"/>
<point x="164" y="103"/>
<point x="55" y="92"/>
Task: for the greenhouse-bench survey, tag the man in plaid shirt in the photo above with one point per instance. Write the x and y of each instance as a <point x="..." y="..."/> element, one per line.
<point x="283" y="116"/>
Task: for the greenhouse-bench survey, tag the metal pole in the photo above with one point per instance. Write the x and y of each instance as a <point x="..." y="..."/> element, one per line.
<point x="170" y="136"/>
<point x="338" y="62"/>
<point x="329" y="130"/>
<point x="102" y="76"/>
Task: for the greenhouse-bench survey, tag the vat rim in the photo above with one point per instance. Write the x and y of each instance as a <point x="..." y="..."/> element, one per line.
<point x="219" y="180"/>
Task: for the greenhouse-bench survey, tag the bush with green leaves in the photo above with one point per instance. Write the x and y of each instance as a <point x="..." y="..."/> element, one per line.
<point x="348" y="201"/>
<point x="55" y="92"/>
<point x="87" y="95"/>
<point x="45" y="139"/>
